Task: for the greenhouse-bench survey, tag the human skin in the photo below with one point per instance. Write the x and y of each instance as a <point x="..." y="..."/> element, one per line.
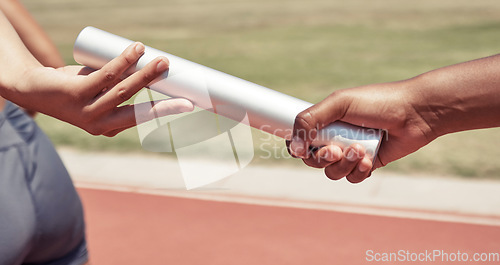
<point x="87" y="99"/>
<point x="412" y="112"/>
<point x="32" y="35"/>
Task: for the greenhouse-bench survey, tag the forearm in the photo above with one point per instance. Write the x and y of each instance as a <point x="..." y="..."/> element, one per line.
<point x="460" y="97"/>
<point x="15" y="59"/>
<point x="31" y="34"/>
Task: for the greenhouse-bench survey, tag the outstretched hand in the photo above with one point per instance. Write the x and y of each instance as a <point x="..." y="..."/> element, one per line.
<point x="92" y="100"/>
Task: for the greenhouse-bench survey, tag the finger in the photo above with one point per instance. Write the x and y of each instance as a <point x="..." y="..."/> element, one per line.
<point x="125" y="89"/>
<point x="288" y="142"/>
<point x="147" y="111"/>
<point x="312" y="150"/>
<point x="128" y="116"/>
<point x="308" y="122"/>
<point x="361" y="171"/>
<point x="325" y="156"/>
<point x="351" y="156"/>
<point x="113" y="70"/>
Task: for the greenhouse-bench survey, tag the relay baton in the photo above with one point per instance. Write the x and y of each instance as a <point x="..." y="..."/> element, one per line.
<point x="268" y="110"/>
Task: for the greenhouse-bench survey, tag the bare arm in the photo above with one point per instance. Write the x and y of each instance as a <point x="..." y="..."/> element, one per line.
<point x="15" y="58"/>
<point x="460" y="97"/>
<point x="414" y="112"/>
<point x="32" y="35"/>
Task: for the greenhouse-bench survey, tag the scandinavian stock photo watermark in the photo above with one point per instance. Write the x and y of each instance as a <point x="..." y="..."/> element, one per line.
<point x="271" y="145"/>
<point x="429" y="256"/>
<point x="208" y="147"/>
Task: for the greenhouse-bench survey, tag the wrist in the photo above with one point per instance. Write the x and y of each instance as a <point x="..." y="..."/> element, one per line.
<point x="16" y="83"/>
<point x="419" y="119"/>
<point x="427" y="107"/>
<point x="459" y="97"/>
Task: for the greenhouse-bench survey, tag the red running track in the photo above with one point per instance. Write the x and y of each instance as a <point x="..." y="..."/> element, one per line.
<point x="131" y="228"/>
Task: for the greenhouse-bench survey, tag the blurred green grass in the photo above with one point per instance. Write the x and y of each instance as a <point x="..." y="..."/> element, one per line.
<point x="303" y="48"/>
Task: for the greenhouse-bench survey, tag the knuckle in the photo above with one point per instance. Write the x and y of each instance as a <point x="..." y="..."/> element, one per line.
<point x="123" y="93"/>
<point x="110" y="75"/>
<point x="304" y="119"/>
<point x="337" y="93"/>
<point x="130" y="58"/>
<point x="340" y="95"/>
<point x="305" y="125"/>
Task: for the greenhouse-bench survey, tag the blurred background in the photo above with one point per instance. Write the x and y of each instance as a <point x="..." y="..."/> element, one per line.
<point x="303" y="48"/>
<point x="278" y="211"/>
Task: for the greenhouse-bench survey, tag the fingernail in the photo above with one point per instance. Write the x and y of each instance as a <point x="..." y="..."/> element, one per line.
<point x="333" y="154"/>
<point x="139" y="48"/>
<point x="363" y="167"/>
<point x="161" y="66"/>
<point x="186" y="106"/>
<point x="297" y="146"/>
<point x="351" y="155"/>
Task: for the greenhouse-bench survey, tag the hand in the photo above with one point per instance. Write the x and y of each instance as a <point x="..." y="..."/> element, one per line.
<point x="385" y="106"/>
<point x="91" y="99"/>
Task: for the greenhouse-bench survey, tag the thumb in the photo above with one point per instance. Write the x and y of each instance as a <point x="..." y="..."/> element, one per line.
<point x="311" y="120"/>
